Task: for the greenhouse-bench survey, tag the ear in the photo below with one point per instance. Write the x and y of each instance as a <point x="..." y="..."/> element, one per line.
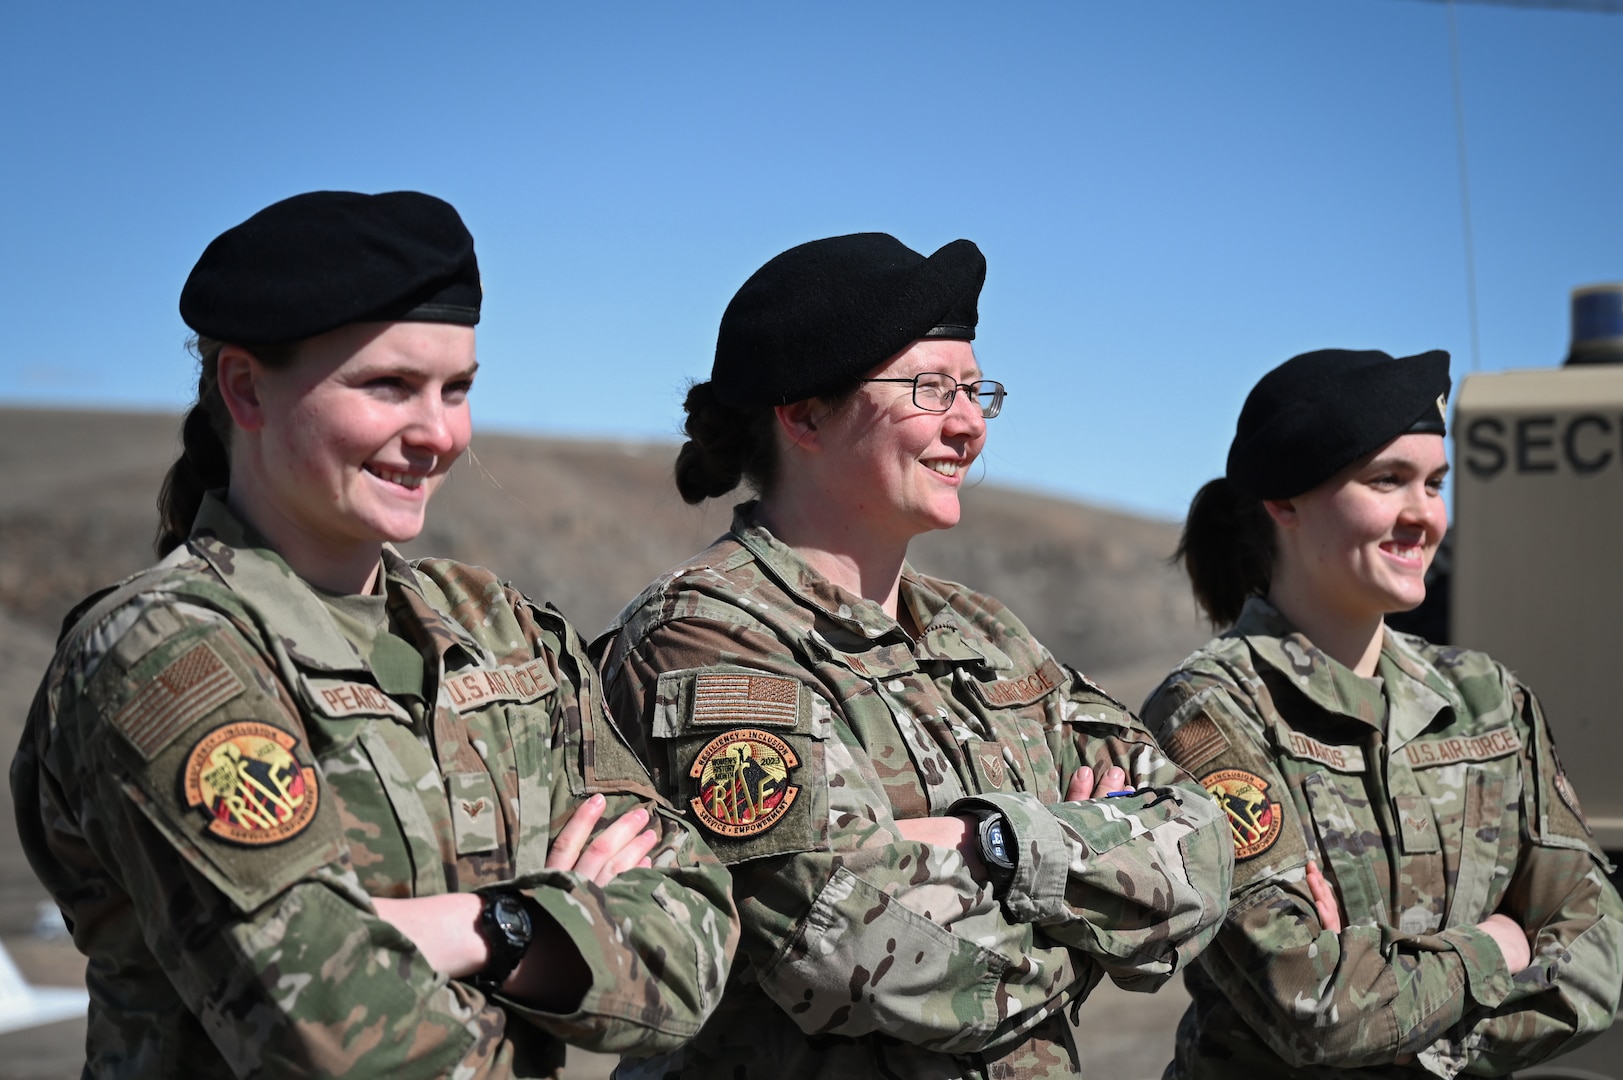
<point x="799" y="424"/>
<point x="239" y="375"/>
<point x="1283" y="511"/>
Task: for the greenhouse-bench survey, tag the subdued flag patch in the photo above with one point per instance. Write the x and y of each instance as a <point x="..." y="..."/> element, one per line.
<point x="194" y="684"/>
<point x="1195" y="743"/>
<point x="724" y="697"/>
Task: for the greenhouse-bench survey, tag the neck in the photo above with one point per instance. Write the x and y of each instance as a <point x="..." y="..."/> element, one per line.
<point x="848" y="555"/>
<point x="348" y="570"/>
<point x="1350" y="640"/>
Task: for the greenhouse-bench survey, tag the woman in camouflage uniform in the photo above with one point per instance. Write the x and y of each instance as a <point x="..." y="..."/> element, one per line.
<point x="884" y="758"/>
<point x="1415" y="887"/>
<point x="311" y="809"/>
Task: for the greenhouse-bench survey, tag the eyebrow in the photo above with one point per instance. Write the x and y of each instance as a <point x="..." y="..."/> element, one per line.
<point x="1406" y="463"/>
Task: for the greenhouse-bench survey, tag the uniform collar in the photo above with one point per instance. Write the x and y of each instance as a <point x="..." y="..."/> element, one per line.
<point x="288" y="603"/>
<point x="1407" y="680"/>
<point x="943" y="637"/>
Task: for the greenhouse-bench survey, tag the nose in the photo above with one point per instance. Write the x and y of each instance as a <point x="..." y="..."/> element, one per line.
<point x="964" y="414"/>
<point x="432" y="428"/>
<point x="1427" y="510"/>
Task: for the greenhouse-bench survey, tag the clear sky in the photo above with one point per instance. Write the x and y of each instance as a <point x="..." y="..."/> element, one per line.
<point x="1172" y="195"/>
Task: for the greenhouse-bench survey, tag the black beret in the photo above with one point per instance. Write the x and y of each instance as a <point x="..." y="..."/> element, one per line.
<point x="1319" y="412"/>
<point x="324" y="259"/>
<point x="820" y="314"/>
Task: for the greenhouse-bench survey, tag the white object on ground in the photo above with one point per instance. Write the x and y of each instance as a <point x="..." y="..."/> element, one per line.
<point x="24" y="1006"/>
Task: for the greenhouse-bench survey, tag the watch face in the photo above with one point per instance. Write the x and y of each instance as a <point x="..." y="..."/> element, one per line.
<point x="994" y="836"/>
<point x="512" y="919"/>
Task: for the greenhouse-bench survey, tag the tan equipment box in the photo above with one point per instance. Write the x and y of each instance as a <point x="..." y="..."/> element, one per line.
<point x="1538" y="557"/>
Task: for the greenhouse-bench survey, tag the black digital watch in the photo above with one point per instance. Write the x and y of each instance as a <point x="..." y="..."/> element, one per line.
<point x="507" y="922"/>
<point x="998" y="851"/>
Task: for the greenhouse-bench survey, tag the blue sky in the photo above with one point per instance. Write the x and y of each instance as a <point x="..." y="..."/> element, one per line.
<point x="1172" y="196"/>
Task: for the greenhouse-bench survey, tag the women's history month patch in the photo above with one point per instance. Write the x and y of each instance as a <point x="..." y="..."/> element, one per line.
<point x="244" y="777"/>
<point x="743" y="782"/>
<point x="1255" y="820"/>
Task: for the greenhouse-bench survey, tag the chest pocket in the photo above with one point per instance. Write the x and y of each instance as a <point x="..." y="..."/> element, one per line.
<point x="1485" y="863"/>
<point x="746" y="759"/>
<point x="1351" y="843"/>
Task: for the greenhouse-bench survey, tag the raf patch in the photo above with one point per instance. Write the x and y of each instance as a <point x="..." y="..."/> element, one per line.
<point x="244" y="777"/>
<point x="722" y="697"/>
<point x="1195" y="743"/>
<point x="1254" y="819"/>
<point x="1022" y="689"/>
<point x="743" y="782"/>
<point x="1485" y="747"/>
<point x="193" y="684"/>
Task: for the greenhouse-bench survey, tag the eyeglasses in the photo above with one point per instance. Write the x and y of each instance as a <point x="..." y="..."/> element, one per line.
<point x="934" y="391"/>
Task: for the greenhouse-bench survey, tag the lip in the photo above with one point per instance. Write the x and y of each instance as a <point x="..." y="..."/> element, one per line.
<point x="411" y="483"/>
<point x="1406" y="556"/>
<point x="959" y="466"/>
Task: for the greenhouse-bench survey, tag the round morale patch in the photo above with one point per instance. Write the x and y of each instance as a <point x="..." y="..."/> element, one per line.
<point x="245" y="778"/>
<point x="744" y="784"/>
<point x="1254" y="820"/>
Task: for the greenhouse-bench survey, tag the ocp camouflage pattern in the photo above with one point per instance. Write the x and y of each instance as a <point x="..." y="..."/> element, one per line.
<point x="865" y="954"/>
<point x="219" y="949"/>
<point x="1431" y="799"/>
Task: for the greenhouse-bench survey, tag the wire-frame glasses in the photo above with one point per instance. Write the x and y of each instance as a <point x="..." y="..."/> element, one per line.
<point x="934" y="391"/>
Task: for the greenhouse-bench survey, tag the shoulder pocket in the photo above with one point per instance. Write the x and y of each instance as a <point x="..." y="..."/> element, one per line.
<point x="213" y="757"/>
<point x="746" y="759"/>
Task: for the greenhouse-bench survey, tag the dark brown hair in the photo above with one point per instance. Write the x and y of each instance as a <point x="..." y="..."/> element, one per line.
<point x="205" y="435"/>
<point x="1228" y="549"/>
<point x="728" y="445"/>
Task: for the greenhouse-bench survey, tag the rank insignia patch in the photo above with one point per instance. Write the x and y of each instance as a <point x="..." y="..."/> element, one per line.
<point x="743" y="782"/>
<point x="245" y="778"/>
<point x="1254" y="819"/>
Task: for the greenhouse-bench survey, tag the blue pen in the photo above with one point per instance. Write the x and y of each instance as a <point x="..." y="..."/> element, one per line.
<point x="1119" y="794"/>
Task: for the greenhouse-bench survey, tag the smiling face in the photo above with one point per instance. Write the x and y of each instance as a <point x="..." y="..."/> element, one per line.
<point x="1361" y="542"/>
<point x="896" y="469"/>
<point x="341" y="449"/>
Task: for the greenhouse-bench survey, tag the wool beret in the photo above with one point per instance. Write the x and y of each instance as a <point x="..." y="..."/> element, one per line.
<point x="1319" y="412"/>
<point x="822" y="313"/>
<point x="324" y="259"/>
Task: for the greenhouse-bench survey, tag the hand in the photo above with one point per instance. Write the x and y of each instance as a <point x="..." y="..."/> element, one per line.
<point x="1082" y="787"/>
<point x="1508" y="934"/>
<point x="1324" y="899"/>
<point x="956" y="832"/>
<point x="617" y="848"/>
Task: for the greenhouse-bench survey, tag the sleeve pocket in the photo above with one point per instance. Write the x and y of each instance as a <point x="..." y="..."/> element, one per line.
<point x="863" y="962"/>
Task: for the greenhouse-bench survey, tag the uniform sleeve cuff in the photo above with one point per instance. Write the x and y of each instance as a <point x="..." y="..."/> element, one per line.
<point x="1487" y="978"/>
<point x="1042" y="870"/>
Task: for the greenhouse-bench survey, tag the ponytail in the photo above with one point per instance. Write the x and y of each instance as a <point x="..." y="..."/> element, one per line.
<point x="1227" y="548"/>
<point x="726" y="446"/>
<point x="204" y="464"/>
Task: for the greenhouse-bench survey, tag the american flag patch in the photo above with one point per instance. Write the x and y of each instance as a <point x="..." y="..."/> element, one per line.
<point x="1196" y="743"/>
<point x="725" y="698"/>
<point x="192" y="685"/>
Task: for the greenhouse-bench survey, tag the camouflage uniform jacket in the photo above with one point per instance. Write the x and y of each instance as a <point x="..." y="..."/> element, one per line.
<point x="1431" y="799"/>
<point x="799" y="723"/>
<point x="212" y="786"/>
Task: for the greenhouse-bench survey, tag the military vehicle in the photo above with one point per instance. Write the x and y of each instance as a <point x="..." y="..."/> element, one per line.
<point x="1537" y="565"/>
